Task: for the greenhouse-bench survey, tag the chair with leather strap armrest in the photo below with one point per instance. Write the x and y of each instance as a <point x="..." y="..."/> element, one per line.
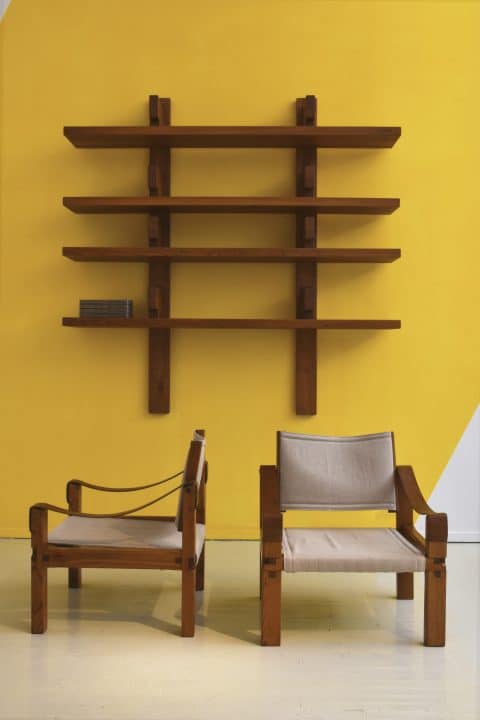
<point x="124" y="540"/>
<point x="348" y="473"/>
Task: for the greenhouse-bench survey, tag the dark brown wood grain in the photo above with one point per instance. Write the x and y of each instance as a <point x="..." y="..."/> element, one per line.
<point x="273" y="205"/>
<point x="241" y="136"/>
<point x="38" y="521"/>
<point x="74" y="500"/>
<point x="158" y="272"/>
<point x="306" y="273"/>
<point x="231" y="323"/>
<point x="271" y="556"/>
<point x="234" y="255"/>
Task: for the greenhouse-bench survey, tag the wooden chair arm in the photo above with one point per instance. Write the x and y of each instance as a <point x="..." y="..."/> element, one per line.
<point x="406" y="480"/>
<point x="414" y="537"/>
<point x="436" y="524"/>
<point x="270" y="513"/>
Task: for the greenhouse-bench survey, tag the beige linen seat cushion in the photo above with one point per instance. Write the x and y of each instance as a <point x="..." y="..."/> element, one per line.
<point x="123" y="533"/>
<point x="349" y="550"/>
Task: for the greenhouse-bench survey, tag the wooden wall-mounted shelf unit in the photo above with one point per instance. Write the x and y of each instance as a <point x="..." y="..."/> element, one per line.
<point x="305" y="137"/>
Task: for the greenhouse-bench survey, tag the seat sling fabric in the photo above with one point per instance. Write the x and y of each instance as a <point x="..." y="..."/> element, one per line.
<point x="123" y="533"/>
<point x="349" y="550"/>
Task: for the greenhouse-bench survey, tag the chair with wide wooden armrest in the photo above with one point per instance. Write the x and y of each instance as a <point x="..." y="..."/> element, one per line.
<point x="125" y="540"/>
<point x="348" y="473"/>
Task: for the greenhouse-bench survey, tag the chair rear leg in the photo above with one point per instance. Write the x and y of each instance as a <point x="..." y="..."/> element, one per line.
<point x="200" y="572"/>
<point x="74" y="577"/>
<point x="39" y="606"/>
<point x="260" y="571"/>
<point x="188" y="602"/>
<point x="405" y="586"/>
<point x="435" y="606"/>
<point x="271" y="605"/>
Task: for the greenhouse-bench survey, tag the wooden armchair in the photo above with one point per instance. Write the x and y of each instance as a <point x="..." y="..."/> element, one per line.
<point x="353" y="473"/>
<point x="122" y="540"/>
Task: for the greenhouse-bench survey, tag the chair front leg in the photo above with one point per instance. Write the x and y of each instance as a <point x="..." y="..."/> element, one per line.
<point x="435" y="606"/>
<point x="271" y="562"/>
<point x="74" y="499"/>
<point x="188" y="602"/>
<point x="405" y="586"/>
<point x="271" y="602"/>
<point x="435" y="580"/>
<point x="39" y="598"/>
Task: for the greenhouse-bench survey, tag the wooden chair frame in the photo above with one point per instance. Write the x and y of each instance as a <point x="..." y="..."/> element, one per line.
<point x="409" y="499"/>
<point x="75" y="557"/>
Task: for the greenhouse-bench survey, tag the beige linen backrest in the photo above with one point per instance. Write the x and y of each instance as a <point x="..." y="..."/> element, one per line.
<point x="201" y="438"/>
<point x="336" y="473"/>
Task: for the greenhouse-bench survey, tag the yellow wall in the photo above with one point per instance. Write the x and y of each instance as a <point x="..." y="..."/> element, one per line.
<point x="73" y="402"/>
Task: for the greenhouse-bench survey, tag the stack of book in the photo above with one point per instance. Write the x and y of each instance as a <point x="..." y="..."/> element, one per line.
<point x="106" y="308"/>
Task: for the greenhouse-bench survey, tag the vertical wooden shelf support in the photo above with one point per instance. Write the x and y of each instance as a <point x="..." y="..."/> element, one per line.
<point x="159" y="273"/>
<point x="306" y="273"/>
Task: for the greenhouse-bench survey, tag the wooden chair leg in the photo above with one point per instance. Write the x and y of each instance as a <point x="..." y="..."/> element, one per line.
<point x="74" y="577"/>
<point x="188" y="602"/>
<point x="74" y="498"/>
<point x="271" y="604"/>
<point x="200" y="572"/>
<point x="260" y="573"/>
<point x="39" y="596"/>
<point x="405" y="586"/>
<point x="435" y="606"/>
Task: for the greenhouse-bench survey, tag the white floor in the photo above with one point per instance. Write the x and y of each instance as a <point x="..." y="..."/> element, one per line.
<point x="349" y="649"/>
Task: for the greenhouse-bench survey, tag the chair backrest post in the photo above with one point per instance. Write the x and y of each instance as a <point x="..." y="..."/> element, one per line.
<point x="404" y="509"/>
<point x="202" y="493"/>
<point x="189" y="499"/>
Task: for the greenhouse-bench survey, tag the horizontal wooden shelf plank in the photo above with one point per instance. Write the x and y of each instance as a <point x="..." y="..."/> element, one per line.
<point x="235" y="136"/>
<point x="341" y="206"/>
<point x="232" y="323"/>
<point x="233" y="255"/>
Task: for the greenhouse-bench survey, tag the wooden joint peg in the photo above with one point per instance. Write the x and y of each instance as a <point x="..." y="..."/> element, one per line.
<point x="155" y="301"/>
<point x="154" y="229"/>
<point x="154" y="109"/>
<point x="309" y="177"/>
<point x="310" y="231"/>
<point x="159" y="110"/>
<point x="307" y="303"/>
<point x="310" y="110"/>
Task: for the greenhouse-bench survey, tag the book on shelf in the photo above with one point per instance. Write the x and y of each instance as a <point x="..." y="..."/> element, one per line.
<point x="106" y="308"/>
